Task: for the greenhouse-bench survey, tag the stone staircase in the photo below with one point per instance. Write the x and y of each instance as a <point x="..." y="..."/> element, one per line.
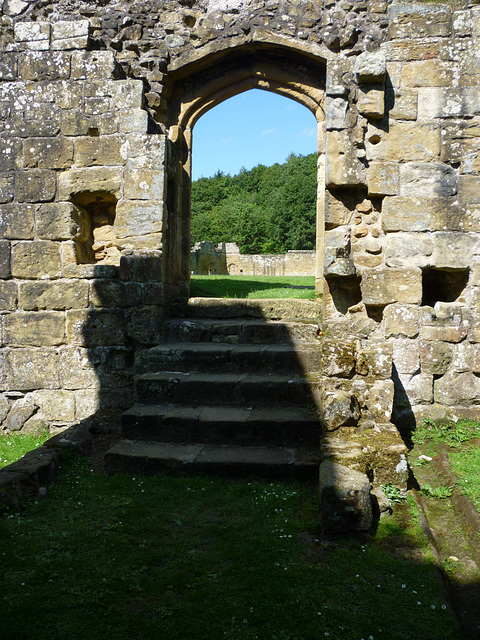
<point x="232" y="391"/>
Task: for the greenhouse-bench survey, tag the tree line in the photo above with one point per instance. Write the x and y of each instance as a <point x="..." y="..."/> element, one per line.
<point x="264" y="210"/>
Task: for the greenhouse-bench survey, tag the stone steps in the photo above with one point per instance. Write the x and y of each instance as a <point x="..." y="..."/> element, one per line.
<point x="231" y="390"/>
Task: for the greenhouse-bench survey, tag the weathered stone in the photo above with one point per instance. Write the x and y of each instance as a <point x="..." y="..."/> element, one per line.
<point x="76" y="123"/>
<point x="7" y="187"/>
<point x="371" y="102"/>
<point x="379" y="400"/>
<point x="29" y="369"/>
<point x="337" y="212"/>
<point x="10" y="154"/>
<point x="418" y="387"/>
<point x="454" y="250"/>
<point x="137" y="218"/>
<point x="440" y="102"/>
<point x="68" y="34"/>
<point x="435" y="357"/>
<point x="90" y="180"/>
<point x="342" y="167"/>
<point x="408" y="250"/>
<point x="401" y="104"/>
<point x="37" y="259"/>
<point x="384" y="286"/>
<point x="57" y="295"/>
<point x="20" y="412"/>
<point x="104" y="151"/>
<point x="145" y="324"/>
<point x="406" y="140"/>
<point x="338" y="358"/>
<point x="92" y="65"/>
<point x="427" y="179"/>
<point x="427" y="73"/>
<point x="345" y="503"/>
<point x="457" y="389"/>
<point x="383" y="178"/>
<point x="77" y="368"/>
<point x="419" y="20"/>
<point x="35" y="185"/>
<point x="17" y="221"/>
<point x="48" y="154"/>
<point x="339" y="408"/>
<point x="55" y="406"/>
<point x="144" y="184"/>
<point x="35" y="329"/>
<point x="374" y="360"/>
<point x="406" y="357"/>
<point x="423" y="214"/>
<point x="133" y="121"/>
<point x="95" y="327"/>
<point x="8" y="296"/>
<point x="4" y="259"/>
<point x="4" y="407"/>
<point x="336" y="117"/>
<point x="469" y="189"/>
<point x="41" y="66"/>
<point x="56" y="221"/>
<point x="35" y="35"/>
<point x="370" y="67"/>
<point x="401" y="321"/>
<point x="111" y="293"/>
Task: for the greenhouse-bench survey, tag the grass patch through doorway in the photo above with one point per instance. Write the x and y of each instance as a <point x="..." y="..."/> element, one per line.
<point x="133" y="558"/>
<point x="253" y="287"/>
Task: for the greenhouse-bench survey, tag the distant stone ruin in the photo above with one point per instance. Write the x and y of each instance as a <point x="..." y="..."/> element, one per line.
<point x="206" y="258"/>
<point x="99" y="101"/>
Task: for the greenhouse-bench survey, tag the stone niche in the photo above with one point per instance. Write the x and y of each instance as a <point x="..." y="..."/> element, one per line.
<point x="95" y="241"/>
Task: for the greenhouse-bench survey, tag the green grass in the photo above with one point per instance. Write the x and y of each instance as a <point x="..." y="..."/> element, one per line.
<point x="13" y="446"/>
<point x="466" y="465"/>
<point x="132" y="558"/>
<point x="252" y="287"/>
<point x="452" y="433"/>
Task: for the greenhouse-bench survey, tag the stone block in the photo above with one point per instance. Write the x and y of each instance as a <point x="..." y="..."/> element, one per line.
<point x="35" y="35"/>
<point x="92" y="65"/>
<point x="56" y="221"/>
<point x="17" y="221"/>
<point x="77" y="368"/>
<point x="144" y="184"/>
<point x="145" y="324"/>
<point x="427" y="73"/>
<point x="335" y="83"/>
<point x="133" y="121"/>
<point x="371" y="101"/>
<point x="21" y="410"/>
<point x="57" y="295"/>
<point x="29" y="369"/>
<point x="338" y="211"/>
<point x="44" y="153"/>
<point x="374" y="360"/>
<point x="7" y="187"/>
<point x="137" y="218"/>
<point x="8" y="296"/>
<point x="427" y="179"/>
<point x="67" y="34"/>
<point x="444" y="332"/>
<point x="405" y="140"/>
<point x="43" y="328"/>
<point x="112" y="293"/>
<point x="408" y="250"/>
<point x="440" y="102"/>
<point x="10" y="154"/>
<point x="407" y="50"/>
<point x="345" y="502"/>
<point x="55" y="405"/>
<point x="336" y="115"/>
<point x="385" y="286"/>
<point x="340" y="408"/>
<point x="104" y="151"/>
<point x="435" y="357"/>
<point x="5" y="259"/>
<point x="401" y="321"/>
<point x="454" y="250"/>
<point x="418" y="388"/>
<point x="383" y="178"/>
<point x="147" y="152"/>
<point x="379" y="400"/>
<point x="343" y="167"/>
<point x="76" y="123"/>
<point x="338" y="358"/>
<point x="419" y="21"/>
<point x="370" y="67"/>
<point x="35" y="185"/>
<point x="39" y="259"/>
<point x="457" y="389"/>
<point x="469" y="189"/>
<point x="406" y="357"/>
<point x="124" y="94"/>
<point x="89" y="179"/>
<point x="43" y="67"/>
<point x="95" y="328"/>
<point x="462" y="359"/>
<point x="401" y="104"/>
<point x="423" y="214"/>
<point x="4" y="407"/>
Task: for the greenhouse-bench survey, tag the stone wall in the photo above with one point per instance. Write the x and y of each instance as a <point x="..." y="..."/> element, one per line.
<point x="226" y="259"/>
<point x="95" y="142"/>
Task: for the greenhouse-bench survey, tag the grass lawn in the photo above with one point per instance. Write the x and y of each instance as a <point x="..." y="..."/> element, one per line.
<point x="14" y="446"/>
<point x="132" y="558"/>
<point x="252" y="287"/>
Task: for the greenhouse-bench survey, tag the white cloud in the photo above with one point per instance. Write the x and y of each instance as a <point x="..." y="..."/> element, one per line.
<point x="307" y="133"/>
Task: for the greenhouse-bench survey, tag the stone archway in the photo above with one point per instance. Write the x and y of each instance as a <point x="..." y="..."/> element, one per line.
<point x="196" y="87"/>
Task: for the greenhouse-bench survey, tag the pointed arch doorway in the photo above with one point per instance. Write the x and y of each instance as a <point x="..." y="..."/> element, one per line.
<point x="196" y="87"/>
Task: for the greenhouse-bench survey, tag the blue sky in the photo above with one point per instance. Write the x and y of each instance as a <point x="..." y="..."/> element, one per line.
<point x="255" y="127"/>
